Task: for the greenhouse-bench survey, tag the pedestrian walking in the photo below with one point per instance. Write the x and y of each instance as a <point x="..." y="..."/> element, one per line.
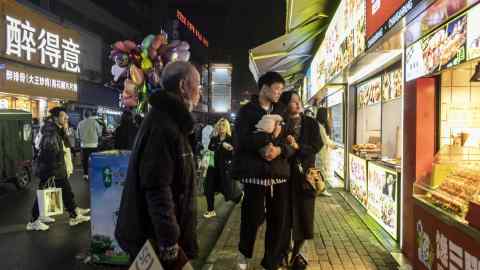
<point x="261" y="164"/>
<point x="325" y="151"/>
<point x="54" y="162"/>
<point x="304" y="137"/>
<point x="158" y="202"/>
<point x="219" y="175"/>
<point x="89" y="132"/>
<point x="124" y="135"/>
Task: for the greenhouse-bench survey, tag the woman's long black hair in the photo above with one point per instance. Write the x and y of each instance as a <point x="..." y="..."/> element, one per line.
<point x="322" y="118"/>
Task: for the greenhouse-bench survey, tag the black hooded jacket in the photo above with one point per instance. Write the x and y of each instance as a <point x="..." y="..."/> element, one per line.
<point x="248" y="163"/>
<point x="51" y="157"/>
<point x="158" y="197"/>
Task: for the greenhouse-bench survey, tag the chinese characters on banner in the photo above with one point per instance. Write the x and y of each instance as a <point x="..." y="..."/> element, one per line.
<point x="26" y="78"/>
<point x="452" y="256"/>
<point x="24" y="41"/>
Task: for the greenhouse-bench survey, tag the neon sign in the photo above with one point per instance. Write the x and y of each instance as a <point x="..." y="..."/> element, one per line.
<point x="192" y="28"/>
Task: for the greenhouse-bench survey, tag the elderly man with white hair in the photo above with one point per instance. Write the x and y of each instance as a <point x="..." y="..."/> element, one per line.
<point x="158" y="199"/>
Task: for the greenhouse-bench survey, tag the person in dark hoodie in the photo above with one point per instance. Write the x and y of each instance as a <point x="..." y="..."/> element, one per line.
<point x="261" y="164"/>
<point x="125" y="133"/>
<point x="158" y="198"/>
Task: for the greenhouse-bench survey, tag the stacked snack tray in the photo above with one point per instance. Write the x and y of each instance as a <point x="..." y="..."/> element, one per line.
<point x="460" y="187"/>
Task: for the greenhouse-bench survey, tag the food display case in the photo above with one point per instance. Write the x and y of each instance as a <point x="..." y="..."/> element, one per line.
<point x="454" y="182"/>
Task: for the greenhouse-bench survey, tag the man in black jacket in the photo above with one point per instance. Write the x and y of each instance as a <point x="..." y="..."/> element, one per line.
<point x="158" y="199"/>
<point x="261" y="164"/>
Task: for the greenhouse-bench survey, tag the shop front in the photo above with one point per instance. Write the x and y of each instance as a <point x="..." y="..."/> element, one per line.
<point x="443" y="101"/>
<point x="39" y="61"/>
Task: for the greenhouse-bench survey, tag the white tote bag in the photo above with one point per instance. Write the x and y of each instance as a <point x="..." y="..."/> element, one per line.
<point x="50" y="202"/>
<point x="147" y="259"/>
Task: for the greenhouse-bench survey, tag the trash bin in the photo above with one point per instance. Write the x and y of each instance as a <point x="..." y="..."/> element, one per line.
<point x="107" y="174"/>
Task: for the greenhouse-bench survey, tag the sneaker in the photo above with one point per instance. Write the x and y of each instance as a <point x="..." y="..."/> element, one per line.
<point x="82" y="211"/>
<point x="85" y="177"/>
<point x="46" y="219"/>
<point x="242" y="262"/>
<point x="37" y="226"/>
<point x="326" y="194"/>
<point x="210" y="214"/>
<point x="78" y="220"/>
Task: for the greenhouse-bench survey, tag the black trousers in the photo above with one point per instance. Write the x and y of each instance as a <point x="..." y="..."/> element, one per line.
<point x="67" y="197"/>
<point x="86" y="152"/>
<point x="260" y="203"/>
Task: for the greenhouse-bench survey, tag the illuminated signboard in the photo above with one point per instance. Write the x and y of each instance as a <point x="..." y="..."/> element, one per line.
<point x="358" y="179"/>
<point x="29" y="37"/>
<point x="31" y="79"/>
<point x="382" y="15"/>
<point x="192" y="28"/>
<point x="444" y="48"/>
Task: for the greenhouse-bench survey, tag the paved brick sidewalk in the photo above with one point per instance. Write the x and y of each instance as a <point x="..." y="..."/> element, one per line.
<point x="342" y="241"/>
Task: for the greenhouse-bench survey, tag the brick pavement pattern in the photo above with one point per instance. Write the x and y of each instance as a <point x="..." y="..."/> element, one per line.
<point x="342" y="241"/>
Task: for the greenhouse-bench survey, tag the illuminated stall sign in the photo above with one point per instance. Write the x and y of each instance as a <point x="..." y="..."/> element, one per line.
<point x="344" y="41"/>
<point x="32" y="38"/>
<point x="383" y="15"/>
<point x="434" y="16"/>
<point x="358" y="179"/>
<point x="190" y="26"/>
<point x="383" y="197"/>
<point x="444" y="48"/>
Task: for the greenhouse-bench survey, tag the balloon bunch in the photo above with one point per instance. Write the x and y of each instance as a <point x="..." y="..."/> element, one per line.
<point x="138" y="67"/>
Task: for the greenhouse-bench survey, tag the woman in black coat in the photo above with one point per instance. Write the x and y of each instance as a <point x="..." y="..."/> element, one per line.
<point x="305" y="139"/>
<point x="125" y="133"/>
<point x="219" y="176"/>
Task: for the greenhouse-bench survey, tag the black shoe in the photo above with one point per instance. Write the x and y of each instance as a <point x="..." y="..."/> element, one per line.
<point x="299" y="263"/>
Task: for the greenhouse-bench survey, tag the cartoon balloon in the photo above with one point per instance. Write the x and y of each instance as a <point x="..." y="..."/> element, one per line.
<point x="117" y="72"/>
<point x="129" y="87"/>
<point x="147" y="41"/>
<point x="135" y="57"/>
<point x="130" y="45"/>
<point x="152" y="53"/>
<point x="184" y="46"/>
<point x="136" y="75"/>
<point x="119" y="45"/>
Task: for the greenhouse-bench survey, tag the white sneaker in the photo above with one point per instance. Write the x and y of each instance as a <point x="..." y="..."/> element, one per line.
<point x="210" y="214"/>
<point x="37" y="226"/>
<point x="79" y="219"/>
<point x="85" y="177"/>
<point x="242" y="262"/>
<point x="326" y="194"/>
<point x="82" y="211"/>
<point x="46" y="219"/>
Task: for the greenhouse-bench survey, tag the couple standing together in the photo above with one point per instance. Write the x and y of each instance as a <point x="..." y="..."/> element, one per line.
<point x="158" y="201"/>
<point x="276" y="144"/>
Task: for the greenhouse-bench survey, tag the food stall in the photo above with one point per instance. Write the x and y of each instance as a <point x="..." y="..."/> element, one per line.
<point x="443" y="91"/>
<point x="375" y="172"/>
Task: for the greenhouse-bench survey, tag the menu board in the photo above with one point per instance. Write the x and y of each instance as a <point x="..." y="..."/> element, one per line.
<point x="344" y="41"/>
<point x="445" y="47"/>
<point x="358" y="178"/>
<point x="434" y="16"/>
<point x="370" y="92"/>
<point x="392" y="85"/>
<point x="383" y="197"/>
<point x="473" y="34"/>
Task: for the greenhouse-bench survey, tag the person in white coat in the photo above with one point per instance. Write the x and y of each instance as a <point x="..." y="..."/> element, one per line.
<point x="325" y="152"/>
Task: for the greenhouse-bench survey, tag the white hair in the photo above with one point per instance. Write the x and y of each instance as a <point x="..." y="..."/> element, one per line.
<point x="173" y="72"/>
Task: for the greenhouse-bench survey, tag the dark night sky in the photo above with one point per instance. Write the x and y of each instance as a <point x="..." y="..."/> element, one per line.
<point x="232" y="27"/>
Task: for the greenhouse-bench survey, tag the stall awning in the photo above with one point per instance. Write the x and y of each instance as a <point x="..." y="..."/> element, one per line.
<point x="291" y="53"/>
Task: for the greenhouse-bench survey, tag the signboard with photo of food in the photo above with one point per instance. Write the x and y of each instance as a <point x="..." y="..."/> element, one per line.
<point x="382" y="197"/>
<point x="473" y="33"/>
<point x="453" y="51"/>
<point x="358" y="178"/>
<point x="370" y="92"/>
<point x="392" y="85"/>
